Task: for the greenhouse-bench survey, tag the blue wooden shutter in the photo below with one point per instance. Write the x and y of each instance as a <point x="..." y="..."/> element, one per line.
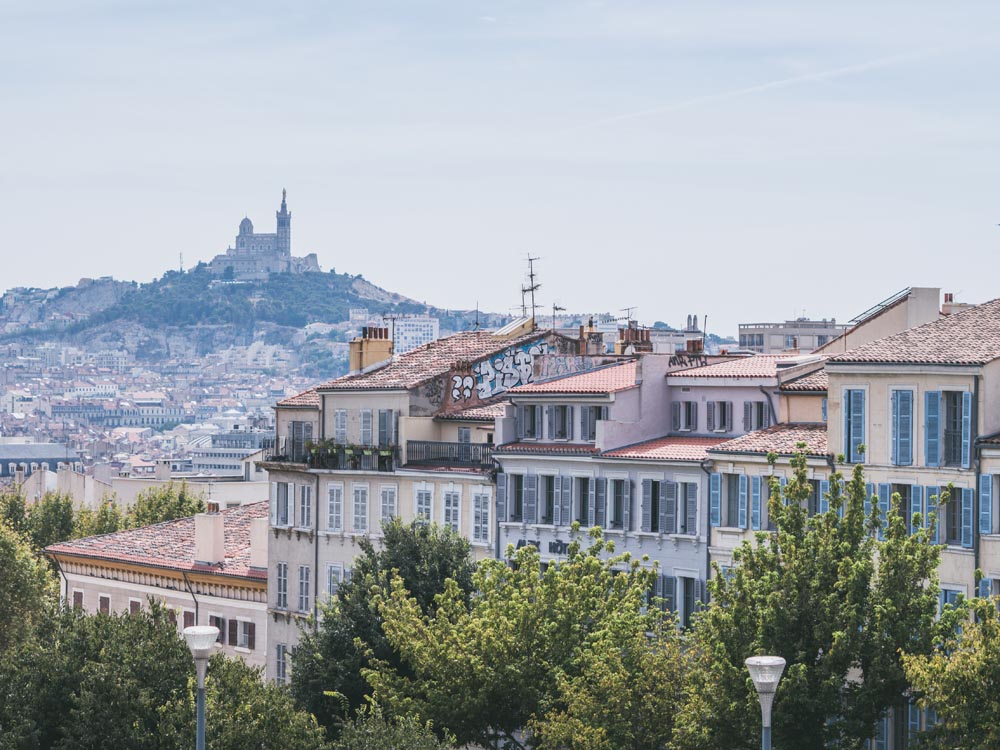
<point x="824" y="495"/>
<point x="966" y="430"/>
<point x="905" y="453"/>
<point x="691" y="506"/>
<point x="986" y="504"/>
<point x="591" y="501"/>
<point x="567" y="500"/>
<point x="747" y="416"/>
<point x="585" y="414"/>
<point x="646" y="521"/>
<point x="884" y="490"/>
<point x="715" y="499"/>
<point x="663" y="510"/>
<point x="557" y="518"/>
<point x="967" y="518"/>
<point x="894" y="428"/>
<point x="501" y="497"/>
<point x="916" y="506"/>
<point x="601" y="502"/>
<point x="570" y="424"/>
<point x="755" y="498"/>
<point x="985" y="588"/>
<point x="931" y="501"/>
<point x="710" y="415"/>
<point x="869" y="491"/>
<point x="669" y="508"/>
<point x="675" y="416"/>
<point x="932" y="428"/>
<point x="550" y="418"/>
<point x="854" y="424"/>
<point x="531" y="498"/>
<point x="823" y="409"/>
<point x="627" y="504"/>
<point x="742" y="523"/>
<point x="912" y="719"/>
<point x="670" y="592"/>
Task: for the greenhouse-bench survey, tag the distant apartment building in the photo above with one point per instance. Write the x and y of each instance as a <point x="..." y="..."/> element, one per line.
<point x="20" y="460"/>
<point x="224" y="454"/>
<point x="409" y="332"/>
<point x="207" y="570"/>
<point x="801" y="334"/>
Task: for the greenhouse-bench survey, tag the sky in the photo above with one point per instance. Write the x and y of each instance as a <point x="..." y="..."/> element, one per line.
<point x="746" y="161"/>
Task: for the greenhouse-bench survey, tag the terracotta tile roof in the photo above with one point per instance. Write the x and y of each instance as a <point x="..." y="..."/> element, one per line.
<point x="562" y="449"/>
<point x="781" y="439"/>
<point x="171" y="544"/>
<point x="667" y="449"/>
<point x="609" y="379"/>
<point x="815" y="382"/>
<point x="428" y="361"/>
<point x="969" y="337"/>
<point x="482" y="413"/>
<point x="756" y="366"/>
<point x="990" y="439"/>
<point x="307" y="399"/>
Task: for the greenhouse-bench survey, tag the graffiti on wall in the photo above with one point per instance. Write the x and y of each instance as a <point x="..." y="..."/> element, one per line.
<point x="462" y="387"/>
<point x="508" y="369"/>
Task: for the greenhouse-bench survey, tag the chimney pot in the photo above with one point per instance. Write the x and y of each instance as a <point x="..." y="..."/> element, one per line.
<point x="209" y="538"/>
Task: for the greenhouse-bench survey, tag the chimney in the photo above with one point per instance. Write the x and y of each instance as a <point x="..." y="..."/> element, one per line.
<point x="373" y="346"/>
<point x="258" y="543"/>
<point x="163" y="469"/>
<point x="209" y="538"/>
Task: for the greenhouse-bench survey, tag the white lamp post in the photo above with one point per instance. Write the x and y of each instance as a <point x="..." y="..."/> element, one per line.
<point x="765" y="671"/>
<point x="200" y="639"/>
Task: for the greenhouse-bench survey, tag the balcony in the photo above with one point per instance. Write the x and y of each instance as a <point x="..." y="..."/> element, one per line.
<point x="464" y="455"/>
<point x="335" y="457"/>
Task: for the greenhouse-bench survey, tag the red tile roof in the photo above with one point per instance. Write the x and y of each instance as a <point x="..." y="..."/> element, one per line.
<point x="562" y="449"/>
<point x="667" y="449"/>
<point x="609" y="379"/>
<point x="969" y="337"/>
<point x="814" y="382"/>
<point x="756" y="366"/>
<point x="171" y="545"/>
<point x="429" y="361"/>
<point x="782" y="439"/>
<point x="307" y="399"/>
<point x="480" y="413"/>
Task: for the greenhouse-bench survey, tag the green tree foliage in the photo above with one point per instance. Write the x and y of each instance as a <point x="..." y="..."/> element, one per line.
<point x="831" y="599"/>
<point x="158" y="504"/>
<point x="327" y="677"/>
<point x="105" y="520"/>
<point x="51" y="519"/>
<point x="27" y="587"/>
<point x="14" y="509"/>
<point x="243" y="712"/>
<point x="373" y="731"/>
<point x="482" y="668"/>
<point x="959" y="681"/>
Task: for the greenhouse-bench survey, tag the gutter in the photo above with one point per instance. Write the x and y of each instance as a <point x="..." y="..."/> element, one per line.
<point x="63" y="574"/>
<point x="770" y="405"/>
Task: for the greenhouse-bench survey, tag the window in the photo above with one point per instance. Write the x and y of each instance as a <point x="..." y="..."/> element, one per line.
<point x="901" y="427"/>
<point x="560" y="422"/>
<point x="824" y="409"/>
<point x="687" y="501"/>
<point x="688" y="598"/>
<point x="334" y="577"/>
<point x="220" y="623"/>
<point x="452" y="503"/>
<point x="281" y="663"/>
<point x="188" y="618"/>
<point x="953" y="428"/>
<point x="756" y="415"/>
<point x="78" y="599"/>
<point x="134" y="606"/>
<point x="340" y="426"/>
<point x="732" y="484"/>
<point x="812" y="502"/>
<point x="655" y="490"/>
<point x="386" y="427"/>
<point x="685" y="416"/>
<point x="282" y="586"/>
<point x="548" y="505"/>
<point x="854" y="424"/>
<point x="104" y="604"/>
<point x="516" y="497"/>
<point x="952" y="513"/>
<point x="360" y="516"/>
<point x="281" y="504"/>
<point x="388" y="497"/>
<point x="481" y="517"/>
<point x="530" y="423"/>
<point x="791" y="342"/>
<point x="366" y="427"/>
<point x="589" y="416"/>
<point x="305" y="506"/>
<point x="583" y="488"/>
<point x="620" y="496"/>
<point x="903" y="490"/>
<point x="424" y="501"/>
<point x="464" y="435"/>
<point x="720" y="416"/>
<point x="304" y="571"/>
<point x="335" y="508"/>
<point x="246" y="636"/>
<point x="821" y="339"/>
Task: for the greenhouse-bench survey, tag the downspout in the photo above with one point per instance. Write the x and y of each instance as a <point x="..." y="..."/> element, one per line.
<point x="65" y="579"/>
<point x="977" y="500"/>
<point x="708" y="526"/>
<point x="770" y="405"/>
<point x="187" y="585"/>
<point x="316" y="560"/>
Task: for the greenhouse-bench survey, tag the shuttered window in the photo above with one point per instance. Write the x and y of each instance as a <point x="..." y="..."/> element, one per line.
<point x="452" y="506"/>
<point x="340" y="426"/>
<point x="335" y="508"/>
<point x="423" y="504"/>
<point x="902" y="427"/>
<point x="281" y="584"/>
<point x="481" y="517"/>
<point x="359" y="517"/>
<point x="854" y="424"/>
<point x="986" y="504"/>
<point x="388" y="503"/>
<point x="304" y="572"/>
<point x="305" y="506"/>
<point x="366" y="427"/>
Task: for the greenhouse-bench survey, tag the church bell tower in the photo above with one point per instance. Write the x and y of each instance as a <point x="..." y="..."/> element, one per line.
<point x="284" y="228"/>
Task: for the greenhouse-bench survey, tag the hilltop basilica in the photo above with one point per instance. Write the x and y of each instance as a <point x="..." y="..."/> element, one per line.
<point x="257" y="255"/>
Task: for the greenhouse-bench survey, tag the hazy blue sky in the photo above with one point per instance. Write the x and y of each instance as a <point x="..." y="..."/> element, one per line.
<point x="749" y="161"/>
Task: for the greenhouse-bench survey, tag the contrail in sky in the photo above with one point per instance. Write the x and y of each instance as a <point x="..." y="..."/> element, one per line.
<point x="824" y="75"/>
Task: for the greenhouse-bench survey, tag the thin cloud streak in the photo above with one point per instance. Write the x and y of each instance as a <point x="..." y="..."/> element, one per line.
<point x="825" y="75"/>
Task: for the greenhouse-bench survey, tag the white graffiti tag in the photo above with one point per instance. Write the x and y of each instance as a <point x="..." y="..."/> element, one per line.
<point x="461" y="388"/>
<point x="507" y="370"/>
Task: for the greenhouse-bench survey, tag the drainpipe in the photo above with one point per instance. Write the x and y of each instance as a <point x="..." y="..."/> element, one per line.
<point x="770" y="405"/>
<point x="187" y="585"/>
<point x="316" y="559"/>
<point x="65" y="579"/>
<point x="976" y="499"/>
<point x="708" y="526"/>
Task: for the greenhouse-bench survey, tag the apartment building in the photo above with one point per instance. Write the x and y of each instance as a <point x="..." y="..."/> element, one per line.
<point x="408" y="436"/>
<point x="207" y="570"/>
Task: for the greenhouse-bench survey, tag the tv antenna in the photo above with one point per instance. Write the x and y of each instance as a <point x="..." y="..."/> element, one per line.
<point x="530" y="289"/>
<point x="182" y="262"/>
<point x="556" y="308"/>
<point x="628" y="312"/>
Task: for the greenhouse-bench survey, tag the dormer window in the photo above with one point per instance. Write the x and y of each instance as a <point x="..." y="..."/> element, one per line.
<point x="589" y="417"/>
<point x="560" y="422"/>
<point x="529" y="421"/>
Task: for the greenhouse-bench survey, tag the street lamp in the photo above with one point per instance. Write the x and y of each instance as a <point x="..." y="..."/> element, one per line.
<point x="200" y="639"/>
<point x="765" y="671"/>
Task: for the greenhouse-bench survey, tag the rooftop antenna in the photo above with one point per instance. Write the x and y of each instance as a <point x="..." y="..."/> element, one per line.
<point x="531" y="288"/>
<point x="556" y="308"/>
<point x="628" y="312"/>
<point x="182" y="262"/>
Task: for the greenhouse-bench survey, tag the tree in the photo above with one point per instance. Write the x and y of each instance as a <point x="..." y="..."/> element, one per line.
<point x="245" y="712"/>
<point x="958" y="681"/>
<point x="483" y="667"/>
<point x="51" y="519"/>
<point x="14" y="509"/>
<point x="158" y="504"/>
<point x="27" y="587"/>
<point x="834" y="601"/>
<point x="373" y="731"/>
<point x="327" y="677"/>
<point x="105" y="520"/>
